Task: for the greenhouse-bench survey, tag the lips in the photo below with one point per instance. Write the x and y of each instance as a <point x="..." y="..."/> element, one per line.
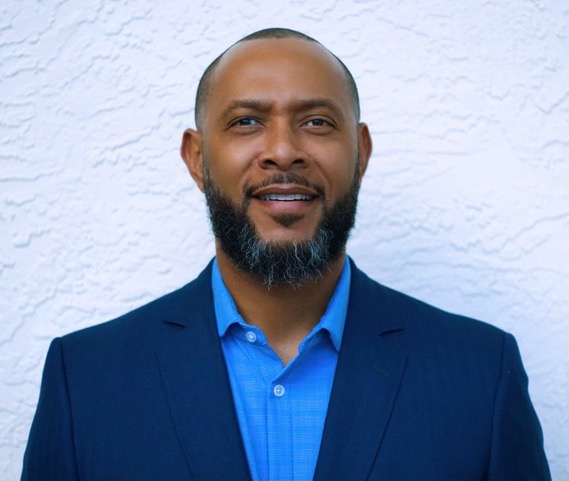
<point x="286" y="203"/>
<point x="285" y="193"/>
<point x="285" y="197"/>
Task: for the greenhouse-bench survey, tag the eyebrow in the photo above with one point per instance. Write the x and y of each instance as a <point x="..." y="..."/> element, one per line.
<point x="299" y="105"/>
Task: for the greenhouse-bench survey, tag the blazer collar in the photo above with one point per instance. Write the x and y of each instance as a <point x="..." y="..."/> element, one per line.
<point x="197" y="386"/>
<point x="368" y="375"/>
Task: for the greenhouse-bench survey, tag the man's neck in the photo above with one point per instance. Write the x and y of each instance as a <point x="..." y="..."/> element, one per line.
<point x="284" y="313"/>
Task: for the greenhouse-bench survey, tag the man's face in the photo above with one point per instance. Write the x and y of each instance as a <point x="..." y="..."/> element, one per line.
<point x="279" y="139"/>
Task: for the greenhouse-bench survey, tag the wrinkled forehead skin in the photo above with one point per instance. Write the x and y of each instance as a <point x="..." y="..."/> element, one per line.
<point x="278" y="71"/>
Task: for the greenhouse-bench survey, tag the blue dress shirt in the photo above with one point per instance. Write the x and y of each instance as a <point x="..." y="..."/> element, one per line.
<point x="281" y="410"/>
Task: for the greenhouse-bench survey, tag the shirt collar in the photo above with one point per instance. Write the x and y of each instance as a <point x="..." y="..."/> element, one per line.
<point x="333" y="319"/>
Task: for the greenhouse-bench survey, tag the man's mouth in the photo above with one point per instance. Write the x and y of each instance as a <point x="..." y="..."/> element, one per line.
<point x="285" y="197"/>
<point x="286" y="203"/>
<point x="280" y="189"/>
<point x="285" y="193"/>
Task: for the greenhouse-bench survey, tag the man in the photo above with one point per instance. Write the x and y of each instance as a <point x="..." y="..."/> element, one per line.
<point x="282" y="360"/>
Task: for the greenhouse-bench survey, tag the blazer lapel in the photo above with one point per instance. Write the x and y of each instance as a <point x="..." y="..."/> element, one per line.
<point x="368" y="375"/>
<point x="197" y="387"/>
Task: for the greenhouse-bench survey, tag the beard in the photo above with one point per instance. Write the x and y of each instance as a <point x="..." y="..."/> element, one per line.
<point x="272" y="263"/>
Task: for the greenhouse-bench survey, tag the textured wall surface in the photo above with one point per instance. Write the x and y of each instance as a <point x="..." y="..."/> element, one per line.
<point x="465" y="204"/>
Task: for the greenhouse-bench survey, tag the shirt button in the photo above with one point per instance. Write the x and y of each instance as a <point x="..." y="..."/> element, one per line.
<point x="251" y="336"/>
<point x="279" y="390"/>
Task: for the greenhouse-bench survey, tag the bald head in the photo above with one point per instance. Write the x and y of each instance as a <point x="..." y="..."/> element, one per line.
<point x="207" y="82"/>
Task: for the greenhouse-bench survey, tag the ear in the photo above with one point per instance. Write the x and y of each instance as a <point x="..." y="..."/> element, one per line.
<point x="191" y="152"/>
<point x="365" y="148"/>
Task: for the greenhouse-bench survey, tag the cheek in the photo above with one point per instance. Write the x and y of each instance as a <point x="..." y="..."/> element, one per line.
<point x="338" y="166"/>
<point x="228" y="167"/>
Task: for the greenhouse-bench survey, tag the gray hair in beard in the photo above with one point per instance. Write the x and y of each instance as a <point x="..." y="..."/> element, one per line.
<point x="272" y="263"/>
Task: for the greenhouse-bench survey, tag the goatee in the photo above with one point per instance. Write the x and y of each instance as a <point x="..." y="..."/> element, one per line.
<point x="271" y="263"/>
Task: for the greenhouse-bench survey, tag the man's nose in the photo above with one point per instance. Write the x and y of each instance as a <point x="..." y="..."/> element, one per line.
<point x="282" y="149"/>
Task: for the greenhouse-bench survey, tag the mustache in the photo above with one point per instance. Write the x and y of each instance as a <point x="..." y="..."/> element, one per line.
<point x="282" y="179"/>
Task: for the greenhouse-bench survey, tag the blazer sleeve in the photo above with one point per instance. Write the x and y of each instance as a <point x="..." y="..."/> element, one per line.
<point x="50" y="453"/>
<point x="517" y="441"/>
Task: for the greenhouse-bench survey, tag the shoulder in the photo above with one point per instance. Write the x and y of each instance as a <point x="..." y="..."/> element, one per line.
<point x="437" y="344"/>
<point x="144" y="324"/>
<point x="421" y="321"/>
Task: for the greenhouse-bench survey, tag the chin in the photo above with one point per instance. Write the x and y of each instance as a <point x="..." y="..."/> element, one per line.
<point x="284" y="237"/>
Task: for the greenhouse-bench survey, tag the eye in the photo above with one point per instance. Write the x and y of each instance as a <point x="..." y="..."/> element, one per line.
<point x="245" y="122"/>
<point x="320" y="124"/>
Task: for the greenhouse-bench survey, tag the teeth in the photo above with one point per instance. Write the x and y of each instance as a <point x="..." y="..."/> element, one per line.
<point x="285" y="197"/>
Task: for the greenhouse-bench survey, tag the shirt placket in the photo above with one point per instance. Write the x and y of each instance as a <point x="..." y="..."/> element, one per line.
<point x="279" y="422"/>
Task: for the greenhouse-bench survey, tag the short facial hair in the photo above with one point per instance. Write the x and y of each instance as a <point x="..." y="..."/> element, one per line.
<point x="272" y="263"/>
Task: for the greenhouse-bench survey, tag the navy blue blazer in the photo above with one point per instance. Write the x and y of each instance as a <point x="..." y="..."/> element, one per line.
<point x="418" y="394"/>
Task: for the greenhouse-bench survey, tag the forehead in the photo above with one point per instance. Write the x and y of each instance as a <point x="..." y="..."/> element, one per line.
<point x="278" y="71"/>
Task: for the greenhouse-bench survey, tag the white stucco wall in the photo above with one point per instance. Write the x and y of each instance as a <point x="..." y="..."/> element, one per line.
<point x="465" y="204"/>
